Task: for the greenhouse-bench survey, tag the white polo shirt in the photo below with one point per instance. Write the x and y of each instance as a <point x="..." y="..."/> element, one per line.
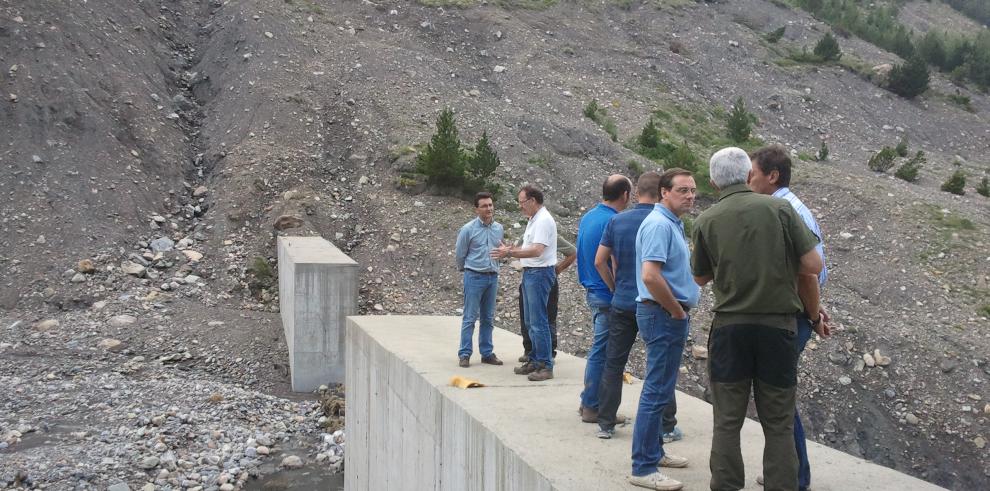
<point x="541" y="229"/>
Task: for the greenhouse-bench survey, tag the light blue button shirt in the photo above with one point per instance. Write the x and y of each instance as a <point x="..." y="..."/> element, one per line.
<point x="661" y="238"/>
<point x="474" y="243"/>
<point x="809" y="220"/>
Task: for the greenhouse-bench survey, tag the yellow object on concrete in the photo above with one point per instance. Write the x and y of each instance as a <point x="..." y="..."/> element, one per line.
<point x="464" y="383"/>
<point x="627" y="378"/>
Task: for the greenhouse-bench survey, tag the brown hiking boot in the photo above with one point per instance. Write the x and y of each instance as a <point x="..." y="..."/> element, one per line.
<point x="589" y="415"/>
<point x="525" y="368"/>
<point x="465" y="362"/>
<point x="542" y="373"/>
<point x="491" y="360"/>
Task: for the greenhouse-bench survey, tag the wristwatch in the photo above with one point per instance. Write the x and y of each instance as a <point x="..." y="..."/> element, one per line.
<point x="815" y="322"/>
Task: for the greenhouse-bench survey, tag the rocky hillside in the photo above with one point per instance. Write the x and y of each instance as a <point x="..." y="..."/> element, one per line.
<point x="150" y="149"/>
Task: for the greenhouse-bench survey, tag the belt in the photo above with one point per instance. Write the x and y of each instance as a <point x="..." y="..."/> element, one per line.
<point x="652" y="302"/>
<point x="480" y="272"/>
<point x="536" y="267"/>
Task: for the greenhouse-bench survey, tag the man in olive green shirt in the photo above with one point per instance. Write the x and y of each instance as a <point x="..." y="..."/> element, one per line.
<point x="753" y="247"/>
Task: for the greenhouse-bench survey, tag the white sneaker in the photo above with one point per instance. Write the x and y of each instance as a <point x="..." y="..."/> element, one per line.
<point x="674" y="461"/>
<point x="657" y="481"/>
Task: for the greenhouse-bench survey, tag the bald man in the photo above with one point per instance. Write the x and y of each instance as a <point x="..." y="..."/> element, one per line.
<point x="616" y="191"/>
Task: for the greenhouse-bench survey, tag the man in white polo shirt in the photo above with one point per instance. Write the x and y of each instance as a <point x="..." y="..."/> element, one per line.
<point x="538" y="255"/>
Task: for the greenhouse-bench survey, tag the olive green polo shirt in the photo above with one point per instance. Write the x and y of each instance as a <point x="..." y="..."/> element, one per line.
<point x="752" y="245"/>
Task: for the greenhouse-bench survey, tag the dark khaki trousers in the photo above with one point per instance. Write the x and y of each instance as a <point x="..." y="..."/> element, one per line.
<point x="761" y="359"/>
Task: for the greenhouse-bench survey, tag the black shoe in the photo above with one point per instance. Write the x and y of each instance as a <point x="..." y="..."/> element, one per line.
<point x="465" y="362"/>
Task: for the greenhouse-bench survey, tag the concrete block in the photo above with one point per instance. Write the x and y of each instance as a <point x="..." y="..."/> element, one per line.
<point x="317" y="291"/>
<point x="408" y="429"/>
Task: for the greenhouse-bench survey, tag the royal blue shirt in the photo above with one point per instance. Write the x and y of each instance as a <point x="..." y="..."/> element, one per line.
<point x="589" y="235"/>
<point x="620" y="236"/>
<point x="474" y="243"/>
<point x="661" y="239"/>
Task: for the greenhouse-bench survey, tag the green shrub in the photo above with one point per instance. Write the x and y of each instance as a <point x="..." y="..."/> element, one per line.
<point x="956" y="183"/>
<point x="822" y="154"/>
<point x="591" y="110"/>
<point x="443" y="160"/>
<point x="649" y="137"/>
<point x="828" y="48"/>
<point x="962" y="101"/>
<point x="883" y="160"/>
<point x="599" y="115"/>
<point x="909" y="170"/>
<point x="984" y="188"/>
<point x="910" y="78"/>
<point x="775" y="35"/>
<point x="635" y="168"/>
<point x="683" y="157"/>
<point x="902" y="147"/>
<point x="740" y="122"/>
<point x="611" y="129"/>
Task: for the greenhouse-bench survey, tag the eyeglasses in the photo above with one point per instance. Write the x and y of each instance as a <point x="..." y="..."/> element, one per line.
<point x="685" y="190"/>
<point x="525" y="200"/>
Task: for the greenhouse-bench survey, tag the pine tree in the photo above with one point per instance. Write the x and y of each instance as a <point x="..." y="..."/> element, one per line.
<point x="775" y="35"/>
<point x="740" y="122"/>
<point x="649" y="137"/>
<point x="932" y="49"/>
<point x="828" y="48"/>
<point x="883" y="160"/>
<point x="591" y="110"/>
<point x="956" y="183"/>
<point x="683" y="157"/>
<point x="822" y="153"/>
<point x="443" y="159"/>
<point x="984" y="187"/>
<point x="484" y="160"/>
<point x="910" y="78"/>
<point x="909" y="170"/>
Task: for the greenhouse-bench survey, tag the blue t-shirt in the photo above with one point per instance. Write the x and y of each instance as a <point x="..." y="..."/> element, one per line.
<point x="661" y="239"/>
<point x="589" y="235"/>
<point x="620" y="236"/>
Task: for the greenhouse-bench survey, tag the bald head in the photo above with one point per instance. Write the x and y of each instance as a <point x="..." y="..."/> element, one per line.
<point x="616" y="191"/>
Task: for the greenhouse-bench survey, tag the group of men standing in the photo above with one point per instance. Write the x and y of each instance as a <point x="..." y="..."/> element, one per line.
<point x="764" y="258"/>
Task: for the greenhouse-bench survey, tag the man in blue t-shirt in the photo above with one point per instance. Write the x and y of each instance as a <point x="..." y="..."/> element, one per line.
<point x="616" y="191"/>
<point x="667" y="291"/>
<point x="616" y="263"/>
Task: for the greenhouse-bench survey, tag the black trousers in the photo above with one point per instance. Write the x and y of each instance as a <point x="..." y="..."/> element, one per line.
<point x="551" y="315"/>
<point x="622" y="330"/>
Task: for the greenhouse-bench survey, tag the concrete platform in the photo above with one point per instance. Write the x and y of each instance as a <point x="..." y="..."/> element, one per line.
<point x="408" y="429"/>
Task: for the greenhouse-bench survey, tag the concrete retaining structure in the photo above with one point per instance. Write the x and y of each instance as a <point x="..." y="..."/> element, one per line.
<point x="408" y="429"/>
<point x="317" y="291"/>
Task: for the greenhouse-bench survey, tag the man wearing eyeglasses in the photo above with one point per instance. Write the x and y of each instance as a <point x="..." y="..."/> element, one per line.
<point x="475" y="242"/>
<point x="666" y="292"/>
<point x="538" y="255"/>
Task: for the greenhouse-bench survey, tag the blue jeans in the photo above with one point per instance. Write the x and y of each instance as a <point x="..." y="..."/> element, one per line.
<point x="800" y="443"/>
<point x="664" y="337"/>
<point x="479" y="301"/>
<point x="596" y="355"/>
<point x="536" y="283"/>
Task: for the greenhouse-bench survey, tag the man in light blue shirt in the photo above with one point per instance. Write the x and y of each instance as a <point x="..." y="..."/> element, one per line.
<point x="771" y="175"/>
<point x="666" y="292"/>
<point x="475" y="242"/>
<point x="616" y="193"/>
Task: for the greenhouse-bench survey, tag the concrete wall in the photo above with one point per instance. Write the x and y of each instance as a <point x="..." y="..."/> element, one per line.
<point x="317" y="291"/>
<point x="407" y="429"/>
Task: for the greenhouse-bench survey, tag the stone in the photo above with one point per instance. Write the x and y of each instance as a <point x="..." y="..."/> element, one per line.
<point x="947" y="366"/>
<point x="46" y="325"/>
<point x="880" y="359"/>
<point x="110" y="344"/>
<point x="122" y="320"/>
<point x="868" y="359"/>
<point x="911" y="419"/>
<point x="149" y="463"/>
<point x="148" y="487"/>
<point x="191" y="279"/>
<point x="86" y="266"/>
<point x="980" y="442"/>
<point x="699" y="352"/>
<point x="286" y="222"/>
<point x="200" y="191"/>
<point x="78" y="278"/>
<point x="292" y="462"/>
<point x="193" y="255"/>
<point x="262" y="450"/>
<point x="162" y="244"/>
<point x="838" y="358"/>
<point x="845" y="380"/>
<point x="132" y="268"/>
<point x="119" y="487"/>
<point x="498" y="69"/>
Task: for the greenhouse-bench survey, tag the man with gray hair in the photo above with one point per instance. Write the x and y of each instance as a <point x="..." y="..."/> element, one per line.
<point x="752" y="248"/>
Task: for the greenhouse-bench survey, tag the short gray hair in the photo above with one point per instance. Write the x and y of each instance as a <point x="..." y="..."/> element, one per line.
<point x="728" y="166"/>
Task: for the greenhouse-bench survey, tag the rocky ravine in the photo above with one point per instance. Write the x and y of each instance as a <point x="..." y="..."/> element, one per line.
<point x="202" y="123"/>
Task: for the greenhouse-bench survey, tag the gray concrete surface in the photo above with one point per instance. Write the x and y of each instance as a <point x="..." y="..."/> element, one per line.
<point x="407" y="428"/>
<point x="317" y="291"/>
